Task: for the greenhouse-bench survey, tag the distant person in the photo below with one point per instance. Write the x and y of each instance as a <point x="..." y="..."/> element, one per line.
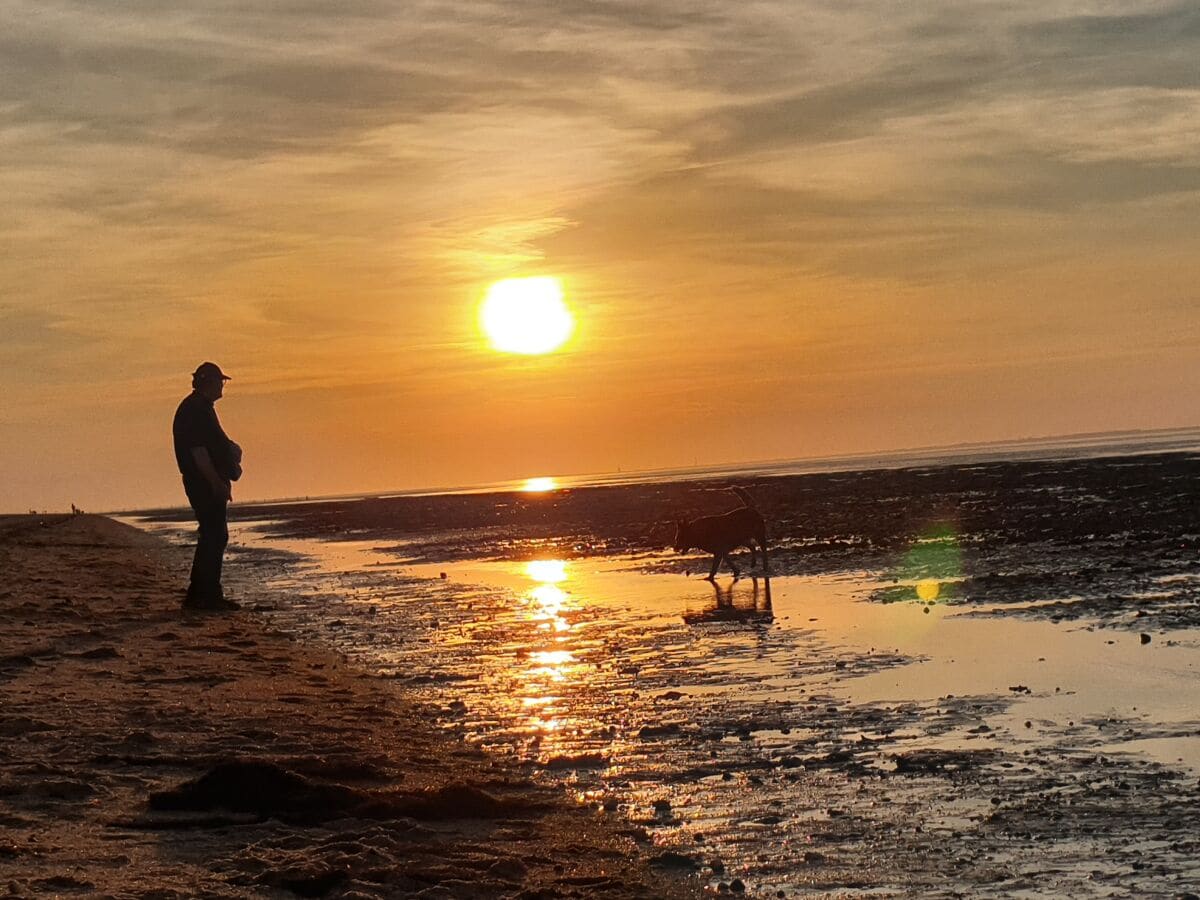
<point x="209" y="461"/>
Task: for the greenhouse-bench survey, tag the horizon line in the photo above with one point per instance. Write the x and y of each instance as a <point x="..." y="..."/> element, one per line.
<point x="581" y="479"/>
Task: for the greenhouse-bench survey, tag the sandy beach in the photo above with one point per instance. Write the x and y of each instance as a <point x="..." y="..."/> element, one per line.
<point x="963" y="681"/>
<point x="152" y="753"/>
<point x="624" y="449"/>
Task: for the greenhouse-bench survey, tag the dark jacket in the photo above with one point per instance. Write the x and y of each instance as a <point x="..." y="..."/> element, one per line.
<point x="196" y="425"/>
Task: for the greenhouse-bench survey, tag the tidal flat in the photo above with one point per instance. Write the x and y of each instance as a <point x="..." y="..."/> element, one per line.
<point x="975" y="679"/>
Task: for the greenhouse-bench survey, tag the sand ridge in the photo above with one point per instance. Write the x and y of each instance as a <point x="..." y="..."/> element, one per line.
<point x="148" y="752"/>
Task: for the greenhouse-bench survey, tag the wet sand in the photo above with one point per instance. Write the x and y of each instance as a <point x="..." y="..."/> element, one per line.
<point x="147" y="752"/>
<point x="821" y="745"/>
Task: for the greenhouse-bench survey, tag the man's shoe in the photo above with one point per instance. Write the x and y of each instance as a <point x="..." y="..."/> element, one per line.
<point x="193" y="601"/>
<point x="215" y="602"/>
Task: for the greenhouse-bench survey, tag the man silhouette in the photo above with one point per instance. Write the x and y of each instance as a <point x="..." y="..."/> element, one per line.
<point x="208" y="461"/>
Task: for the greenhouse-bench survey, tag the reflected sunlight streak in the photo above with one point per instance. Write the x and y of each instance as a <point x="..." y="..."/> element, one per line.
<point x="540" y="701"/>
<point x="553" y="657"/>
<point x="550" y="601"/>
<point x="543" y="606"/>
<point x="546" y="571"/>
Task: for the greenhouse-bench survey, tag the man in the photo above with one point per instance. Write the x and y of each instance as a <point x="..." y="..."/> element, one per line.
<point x="208" y="461"/>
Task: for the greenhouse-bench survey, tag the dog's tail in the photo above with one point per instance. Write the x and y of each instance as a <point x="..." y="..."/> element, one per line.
<point x="744" y="496"/>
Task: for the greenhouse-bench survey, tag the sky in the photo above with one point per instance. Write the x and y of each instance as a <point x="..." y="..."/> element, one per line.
<point x="785" y="228"/>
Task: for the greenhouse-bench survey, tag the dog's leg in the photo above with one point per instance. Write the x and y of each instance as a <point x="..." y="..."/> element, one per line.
<point x="712" y="573"/>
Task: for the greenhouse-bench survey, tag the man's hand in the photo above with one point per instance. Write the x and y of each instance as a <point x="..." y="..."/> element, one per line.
<point x="222" y="489"/>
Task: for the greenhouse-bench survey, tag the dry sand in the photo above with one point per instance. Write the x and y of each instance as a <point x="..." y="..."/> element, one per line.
<point x="147" y="752"/>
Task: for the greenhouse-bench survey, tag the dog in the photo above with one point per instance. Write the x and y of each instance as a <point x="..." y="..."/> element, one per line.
<point x="721" y="535"/>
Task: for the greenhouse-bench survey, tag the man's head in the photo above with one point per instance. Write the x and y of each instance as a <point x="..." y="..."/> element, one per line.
<point x="209" y="381"/>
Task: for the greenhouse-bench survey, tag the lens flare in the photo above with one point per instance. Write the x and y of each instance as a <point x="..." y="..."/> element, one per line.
<point x="931" y="570"/>
<point x="928" y="589"/>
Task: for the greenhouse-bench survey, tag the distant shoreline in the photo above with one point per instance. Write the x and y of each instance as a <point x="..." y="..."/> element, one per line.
<point x="1071" y="446"/>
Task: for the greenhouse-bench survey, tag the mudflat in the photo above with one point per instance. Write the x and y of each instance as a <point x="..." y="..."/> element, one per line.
<point x="967" y="679"/>
<point x="148" y="752"/>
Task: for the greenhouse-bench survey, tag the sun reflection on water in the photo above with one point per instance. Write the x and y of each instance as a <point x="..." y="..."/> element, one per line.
<point x="547" y="571"/>
<point x="553" y="657"/>
<point x="546" y="608"/>
<point x="549" y="668"/>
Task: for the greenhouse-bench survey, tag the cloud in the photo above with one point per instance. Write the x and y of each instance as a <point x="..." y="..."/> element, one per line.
<point x="1154" y="47"/>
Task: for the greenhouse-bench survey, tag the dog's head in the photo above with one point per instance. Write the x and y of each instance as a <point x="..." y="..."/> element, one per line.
<point x="683" y="536"/>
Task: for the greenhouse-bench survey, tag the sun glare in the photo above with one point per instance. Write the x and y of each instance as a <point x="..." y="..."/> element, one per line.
<point x="538" y="485"/>
<point x="526" y="315"/>
<point x="547" y="571"/>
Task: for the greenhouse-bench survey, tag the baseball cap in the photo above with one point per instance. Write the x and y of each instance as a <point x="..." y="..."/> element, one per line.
<point x="207" y="371"/>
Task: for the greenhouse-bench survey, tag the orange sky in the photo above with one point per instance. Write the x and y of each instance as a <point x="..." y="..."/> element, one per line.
<point x="786" y="229"/>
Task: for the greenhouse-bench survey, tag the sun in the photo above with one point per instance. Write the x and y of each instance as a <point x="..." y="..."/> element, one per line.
<point x="526" y="315"/>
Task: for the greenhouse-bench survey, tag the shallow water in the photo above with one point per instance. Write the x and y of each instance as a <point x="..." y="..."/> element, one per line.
<point x="751" y="724"/>
<point x="568" y="622"/>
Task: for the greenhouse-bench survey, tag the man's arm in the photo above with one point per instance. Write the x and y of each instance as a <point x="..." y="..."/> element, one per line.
<point x="204" y="463"/>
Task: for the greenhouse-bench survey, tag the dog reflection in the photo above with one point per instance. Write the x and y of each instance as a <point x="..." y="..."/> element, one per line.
<point x="754" y="609"/>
